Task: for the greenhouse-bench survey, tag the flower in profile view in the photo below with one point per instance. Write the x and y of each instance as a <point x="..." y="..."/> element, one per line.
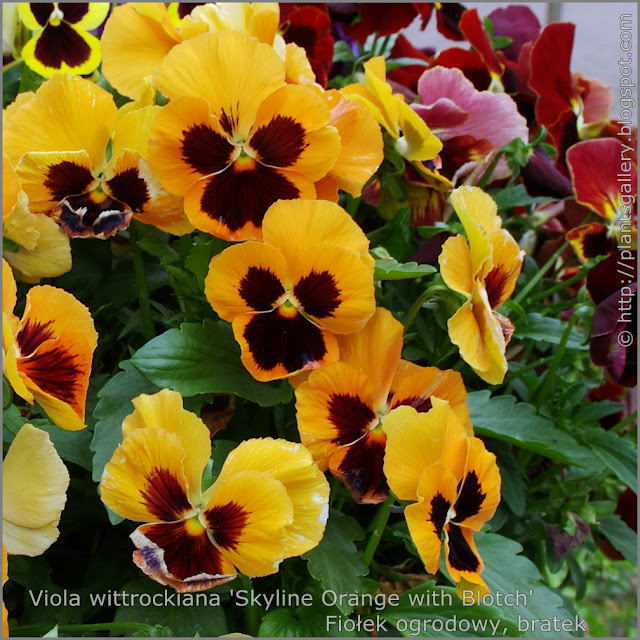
<point x="270" y="502"/>
<point x="484" y="268"/>
<point x="41" y="249"/>
<point x="342" y="408"/>
<point x="60" y="43"/>
<point x="65" y="171"/>
<point x="453" y="483"/>
<point x="289" y="296"/>
<point x="48" y="352"/>
<point x="34" y="492"/>
<point x="236" y="138"/>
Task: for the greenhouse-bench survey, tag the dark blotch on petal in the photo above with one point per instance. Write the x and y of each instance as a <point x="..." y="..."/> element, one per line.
<point x="421" y="405"/>
<point x="495" y="283"/>
<point x="260" y="288"/>
<point x="461" y="556"/>
<point x="61" y="44"/>
<point x="291" y="342"/>
<point x="130" y="188"/>
<point x="361" y="469"/>
<point x="318" y="294"/>
<point x="82" y="216"/>
<point x="226" y="523"/>
<point x="41" y="12"/>
<point x="67" y="179"/>
<point x="55" y="371"/>
<point x="280" y="142"/>
<point x="205" y="150"/>
<point x="229" y="122"/>
<point x="438" y="514"/>
<point x="235" y="198"/>
<point x="185" y="8"/>
<point x="470" y="499"/>
<point x="350" y="416"/>
<point x="74" y="11"/>
<point x="185" y="555"/>
<point x="165" y="497"/>
<point x="32" y="334"/>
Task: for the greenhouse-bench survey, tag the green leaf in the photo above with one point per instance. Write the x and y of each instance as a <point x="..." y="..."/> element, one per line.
<point x="622" y="537"/>
<point x="434" y="611"/>
<point x="517" y="423"/>
<point x="187" y="614"/>
<point x="303" y="622"/>
<point x="594" y="411"/>
<point x="9" y="246"/>
<point x="204" y="358"/>
<point x="617" y="452"/>
<point x="72" y="446"/>
<point x="511" y="573"/>
<point x="395" y="236"/>
<point x="336" y="562"/>
<point x="388" y="268"/>
<point x="112" y="408"/>
<point x="342" y="52"/>
<point x="515" y="196"/>
<point x="547" y="329"/>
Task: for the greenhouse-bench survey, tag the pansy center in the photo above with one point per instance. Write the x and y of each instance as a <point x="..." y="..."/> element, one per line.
<point x="56" y="16"/>
<point x="194" y="527"/>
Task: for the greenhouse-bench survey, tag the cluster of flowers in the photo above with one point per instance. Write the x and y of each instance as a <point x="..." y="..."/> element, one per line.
<point x="230" y="130"/>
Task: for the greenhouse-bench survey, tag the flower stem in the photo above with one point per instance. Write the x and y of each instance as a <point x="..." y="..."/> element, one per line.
<point x="562" y="285"/>
<point x="541" y="393"/>
<point x="486" y="176"/>
<point x="527" y="368"/>
<point x="379" y="524"/>
<point x="141" y="283"/>
<point x="417" y="305"/>
<point x="625" y="422"/>
<point x="252" y="616"/>
<point x="541" y="272"/>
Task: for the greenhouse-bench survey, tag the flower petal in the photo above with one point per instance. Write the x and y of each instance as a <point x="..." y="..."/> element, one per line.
<point x="62" y="49"/>
<point x="415" y="441"/>
<point x="334" y="409"/>
<point x="591" y="240"/>
<point x="361" y="151"/>
<point x="334" y="288"/>
<point x="34" y="485"/>
<point x="79" y="116"/>
<point x="479" y="495"/>
<point x="244" y="74"/>
<point x="232" y="203"/>
<point x="133" y="45"/>
<point x="376" y="351"/>
<point x="290" y="132"/>
<point x="462" y="557"/>
<point x="49" y="257"/>
<point x="306" y="485"/>
<point x="294" y="226"/>
<point x="163" y="410"/>
<point x="145" y="480"/>
<point x="426" y="520"/>
<point x="248" y="514"/>
<point x="187" y="143"/>
<point x="456" y="265"/>
<point x="275" y="346"/>
<point x="180" y="555"/>
<point x="507" y="258"/>
<point x="417" y="388"/>
<point x="245" y="278"/>
<point x="49" y="177"/>
<point x="359" y="467"/>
